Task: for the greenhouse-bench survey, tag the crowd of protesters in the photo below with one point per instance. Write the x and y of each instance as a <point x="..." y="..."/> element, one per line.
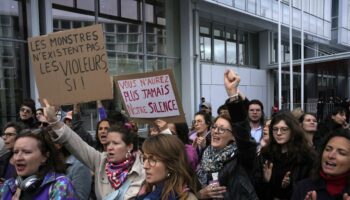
<point x="241" y="154"/>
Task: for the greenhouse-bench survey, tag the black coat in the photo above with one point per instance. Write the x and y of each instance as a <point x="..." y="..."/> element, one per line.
<point x="299" y="171"/>
<point x="235" y="172"/>
<point x="319" y="186"/>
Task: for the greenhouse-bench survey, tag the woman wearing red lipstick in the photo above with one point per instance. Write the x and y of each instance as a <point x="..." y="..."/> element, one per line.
<point x="331" y="176"/>
<point x="118" y="171"/>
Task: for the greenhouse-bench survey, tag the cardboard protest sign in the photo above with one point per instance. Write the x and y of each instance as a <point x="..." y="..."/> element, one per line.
<point x="150" y="96"/>
<point x="71" y="66"/>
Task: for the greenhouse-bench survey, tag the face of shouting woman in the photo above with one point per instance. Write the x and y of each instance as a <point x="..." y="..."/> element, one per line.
<point x="116" y="147"/>
<point x="221" y="134"/>
<point x="27" y="156"/>
<point x="102" y="132"/>
<point x="336" y="156"/>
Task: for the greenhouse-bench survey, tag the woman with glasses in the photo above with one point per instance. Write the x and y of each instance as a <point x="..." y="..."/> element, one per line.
<point x="10" y="131"/>
<point x="331" y="175"/>
<point x="225" y="166"/>
<point x="286" y="160"/>
<point x="40" y="171"/>
<point x="118" y="171"/>
<point x="168" y="175"/>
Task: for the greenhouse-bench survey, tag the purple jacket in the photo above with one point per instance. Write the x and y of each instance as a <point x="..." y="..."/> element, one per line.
<point x="192" y="156"/>
<point x="54" y="186"/>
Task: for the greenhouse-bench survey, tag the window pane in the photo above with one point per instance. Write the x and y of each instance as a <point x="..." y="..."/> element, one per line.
<point x="205" y="48"/>
<point x="86" y="4"/>
<point x="252" y="6"/>
<point x="266" y="8"/>
<point x="109" y="7"/>
<point x="204" y="30"/>
<point x="240" y="4"/>
<point x="219" y="51"/>
<point x="231" y="57"/>
<point x="129" y="9"/>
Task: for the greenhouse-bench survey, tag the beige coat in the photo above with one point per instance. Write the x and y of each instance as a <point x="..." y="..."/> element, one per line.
<point x="96" y="161"/>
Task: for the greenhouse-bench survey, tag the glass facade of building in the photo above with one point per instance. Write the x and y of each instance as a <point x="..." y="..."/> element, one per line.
<point x="14" y="76"/>
<point x="317" y="13"/>
<point x="140" y="37"/>
<point x="226" y="45"/>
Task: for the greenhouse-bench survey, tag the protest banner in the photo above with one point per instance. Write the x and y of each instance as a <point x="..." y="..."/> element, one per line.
<point x="150" y="96"/>
<point x="71" y="66"/>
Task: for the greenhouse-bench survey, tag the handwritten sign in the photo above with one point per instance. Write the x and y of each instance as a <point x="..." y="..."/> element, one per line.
<point x="71" y="66"/>
<point x="150" y="96"/>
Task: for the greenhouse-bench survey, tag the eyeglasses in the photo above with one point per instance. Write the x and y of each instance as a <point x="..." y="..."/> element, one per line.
<point x="283" y="130"/>
<point x="220" y="129"/>
<point x="8" y="134"/>
<point x="25" y="110"/>
<point x="150" y="159"/>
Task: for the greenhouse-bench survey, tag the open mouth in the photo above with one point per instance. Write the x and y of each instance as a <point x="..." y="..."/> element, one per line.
<point x="103" y="137"/>
<point x="330" y="164"/>
<point x="110" y="155"/>
<point x="215" y="139"/>
<point x="20" y="167"/>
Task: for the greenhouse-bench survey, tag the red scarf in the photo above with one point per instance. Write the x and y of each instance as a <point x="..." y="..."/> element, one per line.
<point x="335" y="184"/>
<point x="117" y="172"/>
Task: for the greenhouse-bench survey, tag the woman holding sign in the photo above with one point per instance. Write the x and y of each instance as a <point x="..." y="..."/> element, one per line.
<point x="118" y="171"/>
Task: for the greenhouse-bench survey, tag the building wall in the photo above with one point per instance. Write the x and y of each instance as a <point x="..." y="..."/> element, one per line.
<point x="253" y="84"/>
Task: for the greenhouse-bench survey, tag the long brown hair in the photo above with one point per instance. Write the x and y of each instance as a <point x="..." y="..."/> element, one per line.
<point x="171" y="151"/>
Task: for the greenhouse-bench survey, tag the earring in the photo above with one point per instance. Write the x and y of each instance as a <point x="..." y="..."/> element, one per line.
<point x="128" y="154"/>
<point x="168" y="175"/>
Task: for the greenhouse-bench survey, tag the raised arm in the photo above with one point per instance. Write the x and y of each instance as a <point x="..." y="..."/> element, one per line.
<point x="64" y="135"/>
